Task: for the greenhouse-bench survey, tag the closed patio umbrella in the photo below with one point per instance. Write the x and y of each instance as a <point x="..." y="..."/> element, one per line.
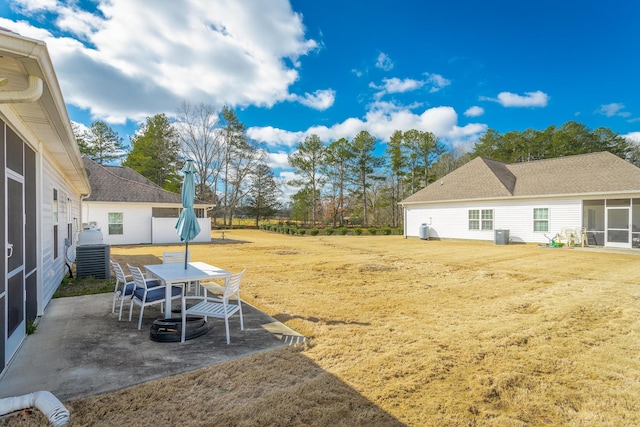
<point x="187" y="225"/>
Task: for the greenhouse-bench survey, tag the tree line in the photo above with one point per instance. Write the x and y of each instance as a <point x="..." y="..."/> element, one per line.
<point x="232" y="172"/>
<point x="343" y="182"/>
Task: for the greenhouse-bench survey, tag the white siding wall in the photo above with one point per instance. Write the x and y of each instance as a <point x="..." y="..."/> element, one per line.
<point x="138" y="225"/>
<point x="136" y="221"/>
<point x="54" y="270"/>
<point x="164" y="230"/>
<point x="451" y="220"/>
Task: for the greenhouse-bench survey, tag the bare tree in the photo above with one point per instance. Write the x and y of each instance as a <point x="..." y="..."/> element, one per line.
<point x="244" y="160"/>
<point x="201" y="142"/>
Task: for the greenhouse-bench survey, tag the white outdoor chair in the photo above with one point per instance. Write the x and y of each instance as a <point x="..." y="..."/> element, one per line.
<point x="175" y="257"/>
<point x="216" y="307"/>
<point x="149" y="292"/>
<point x="124" y="287"/>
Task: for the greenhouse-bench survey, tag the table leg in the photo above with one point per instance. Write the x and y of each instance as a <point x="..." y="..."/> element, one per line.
<point x="167" y="300"/>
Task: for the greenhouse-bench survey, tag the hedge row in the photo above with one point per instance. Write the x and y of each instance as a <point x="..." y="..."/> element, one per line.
<point x="328" y="231"/>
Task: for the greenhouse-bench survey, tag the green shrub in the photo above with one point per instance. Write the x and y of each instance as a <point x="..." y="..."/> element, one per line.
<point x="385" y="231"/>
<point x="342" y="231"/>
<point x="314" y="231"/>
<point x="372" y="231"/>
<point x="400" y="231"/>
<point x="328" y="231"/>
<point x="301" y="231"/>
<point x="31" y="327"/>
<point x="357" y="231"/>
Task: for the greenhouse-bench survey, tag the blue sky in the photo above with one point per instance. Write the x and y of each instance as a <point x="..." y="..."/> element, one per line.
<point x="293" y="68"/>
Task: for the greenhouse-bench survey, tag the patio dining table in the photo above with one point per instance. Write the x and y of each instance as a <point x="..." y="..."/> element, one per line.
<point x="175" y="273"/>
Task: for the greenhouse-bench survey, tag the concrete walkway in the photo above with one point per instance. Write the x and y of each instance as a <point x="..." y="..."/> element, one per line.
<point x="81" y="349"/>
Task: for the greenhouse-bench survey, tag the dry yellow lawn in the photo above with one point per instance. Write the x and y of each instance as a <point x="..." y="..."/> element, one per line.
<point x="405" y="331"/>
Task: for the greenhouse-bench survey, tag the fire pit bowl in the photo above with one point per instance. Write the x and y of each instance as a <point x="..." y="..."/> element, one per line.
<point x="170" y="330"/>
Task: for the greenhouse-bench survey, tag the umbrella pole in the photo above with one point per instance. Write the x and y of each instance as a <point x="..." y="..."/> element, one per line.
<point x="186" y="254"/>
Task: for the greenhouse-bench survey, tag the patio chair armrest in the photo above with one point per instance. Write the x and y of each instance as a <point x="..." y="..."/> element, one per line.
<point x="158" y="286"/>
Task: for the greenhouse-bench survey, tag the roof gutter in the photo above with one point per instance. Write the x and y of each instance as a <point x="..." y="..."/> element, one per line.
<point x="32" y="93"/>
<point x="525" y="197"/>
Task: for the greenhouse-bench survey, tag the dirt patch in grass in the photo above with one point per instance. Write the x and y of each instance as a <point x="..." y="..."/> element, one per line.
<point x="409" y="332"/>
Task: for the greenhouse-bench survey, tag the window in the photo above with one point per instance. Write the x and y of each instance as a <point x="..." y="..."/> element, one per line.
<point x="541" y="219"/>
<point x="54" y="208"/>
<point x="474" y="219"/>
<point x="475" y="216"/>
<point x="487" y="219"/>
<point x="115" y="223"/>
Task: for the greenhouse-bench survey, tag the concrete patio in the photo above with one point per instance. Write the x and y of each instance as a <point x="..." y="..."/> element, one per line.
<point x="80" y="348"/>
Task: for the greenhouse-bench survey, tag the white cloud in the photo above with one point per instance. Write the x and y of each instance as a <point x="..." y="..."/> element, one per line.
<point x="530" y="99"/>
<point x="396" y="85"/>
<point x="382" y="119"/>
<point x="278" y="160"/>
<point x="633" y="137"/>
<point x="437" y="82"/>
<point x="474" y="111"/>
<point x="434" y="82"/>
<point x="319" y="100"/>
<point x="613" y="109"/>
<point x="217" y="52"/>
<point x="275" y="137"/>
<point x="384" y="62"/>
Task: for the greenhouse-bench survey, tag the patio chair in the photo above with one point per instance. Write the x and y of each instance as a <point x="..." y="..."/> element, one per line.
<point x="216" y="307"/>
<point x="149" y="292"/>
<point x="171" y="257"/>
<point x="124" y="287"/>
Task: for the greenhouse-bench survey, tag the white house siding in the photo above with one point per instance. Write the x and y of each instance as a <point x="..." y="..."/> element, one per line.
<point x="136" y="221"/>
<point x="54" y="270"/>
<point x="139" y="227"/>
<point x="164" y="230"/>
<point x="451" y="220"/>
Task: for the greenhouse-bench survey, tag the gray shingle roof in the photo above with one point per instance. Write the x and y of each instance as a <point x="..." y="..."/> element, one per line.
<point x="123" y="184"/>
<point x="481" y="178"/>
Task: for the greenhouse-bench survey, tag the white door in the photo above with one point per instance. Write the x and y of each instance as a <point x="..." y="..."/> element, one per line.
<point x="14" y="260"/>
<point x="618" y="232"/>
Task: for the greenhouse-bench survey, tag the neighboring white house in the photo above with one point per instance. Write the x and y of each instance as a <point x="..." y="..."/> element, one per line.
<point x="130" y="209"/>
<point x="597" y="193"/>
<point x="43" y="181"/>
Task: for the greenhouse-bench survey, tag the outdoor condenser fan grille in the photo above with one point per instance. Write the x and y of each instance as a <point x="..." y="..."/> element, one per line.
<point x="93" y="260"/>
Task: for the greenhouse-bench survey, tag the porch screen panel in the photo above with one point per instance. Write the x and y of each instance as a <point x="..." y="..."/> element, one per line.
<point x="15" y="218"/>
<point x="3" y="272"/>
<point x="2" y="237"/>
<point x="15" y="297"/>
<point x="165" y="212"/>
<point x="14" y="151"/>
<point x="618" y="226"/>
<point x="593" y="216"/>
<point x="31" y="288"/>
<point x="31" y="210"/>
<point x="2" y="329"/>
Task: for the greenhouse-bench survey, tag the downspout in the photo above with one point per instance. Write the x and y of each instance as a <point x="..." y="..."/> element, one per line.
<point x="32" y="93"/>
